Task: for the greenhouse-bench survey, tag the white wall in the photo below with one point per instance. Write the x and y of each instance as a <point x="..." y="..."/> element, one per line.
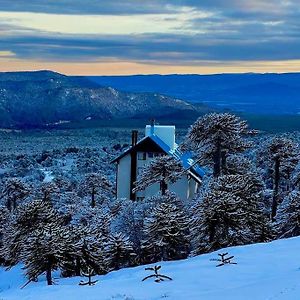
<point x="184" y="187"/>
<point x="123" y="180"/>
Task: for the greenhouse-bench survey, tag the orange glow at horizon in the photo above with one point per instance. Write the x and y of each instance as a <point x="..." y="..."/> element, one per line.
<point x="131" y="68"/>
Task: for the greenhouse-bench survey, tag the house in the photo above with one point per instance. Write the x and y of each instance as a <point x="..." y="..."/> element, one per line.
<point x="159" y="140"/>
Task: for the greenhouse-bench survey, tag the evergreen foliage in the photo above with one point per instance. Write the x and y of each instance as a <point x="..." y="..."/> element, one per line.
<point x="214" y="136"/>
<point x="97" y="185"/>
<point x="162" y="170"/>
<point x="288" y="217"/>
<point x="44" y="251"/>
<point x="229" y="214"/>
<point x="31" y="217"/>
<point x="166" y="232"/>
<point x="119" y="251"/>
<point x="14" y="191"/>
<point x="283" y="154"/>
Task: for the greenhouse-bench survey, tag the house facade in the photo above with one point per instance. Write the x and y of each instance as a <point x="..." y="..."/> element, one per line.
<point x="159" y="140"/>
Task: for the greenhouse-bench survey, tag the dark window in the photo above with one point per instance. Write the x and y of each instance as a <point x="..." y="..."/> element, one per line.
<point x="150" y="154"/>
<point x="141" y="155"/>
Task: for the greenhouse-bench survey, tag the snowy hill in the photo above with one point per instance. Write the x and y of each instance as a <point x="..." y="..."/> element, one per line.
<point x="264" y="272"/>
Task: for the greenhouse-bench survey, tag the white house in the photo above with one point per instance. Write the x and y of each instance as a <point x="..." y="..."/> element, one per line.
<point x="159" y="140"/>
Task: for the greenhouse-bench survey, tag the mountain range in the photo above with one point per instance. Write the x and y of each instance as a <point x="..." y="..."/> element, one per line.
<point x="251" y="93"/>
<point x="45" y="98"/>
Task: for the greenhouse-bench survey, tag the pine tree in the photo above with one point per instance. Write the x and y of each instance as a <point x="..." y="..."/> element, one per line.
<point x="237" y="164"/>
<point x="47" y="190"/>
<point x="14" y="191"/>
<point x="87" y="251"/>
<point x="214" y="136"/>
<point x="44" y="251"/>
<point x="288" y="218"/>
<point x="162" y="170"/>
<point x="119" y="251"/>
<point x="4" y="219"/>
<point x="229" y="214"/>
<point x="28" y="218"/>
<point x="97" y="185"/>
<point x="282" y="153"/>
<point x="166" y="233"/>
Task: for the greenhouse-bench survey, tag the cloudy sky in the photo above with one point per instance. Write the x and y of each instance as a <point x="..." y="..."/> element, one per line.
<point x="150" y="36"/>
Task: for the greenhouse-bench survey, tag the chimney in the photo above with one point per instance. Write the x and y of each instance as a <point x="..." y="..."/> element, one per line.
<point x="152" y="123"/>
<point x="134" y="137"/>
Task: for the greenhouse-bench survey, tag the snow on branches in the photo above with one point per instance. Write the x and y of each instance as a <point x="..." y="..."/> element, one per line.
<point x="162" y="170"/>
<point x="214" y="136"/>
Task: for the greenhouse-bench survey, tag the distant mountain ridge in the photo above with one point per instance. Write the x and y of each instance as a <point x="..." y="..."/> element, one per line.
<point x="268" y="93"/>
<point x="38" y="99"/>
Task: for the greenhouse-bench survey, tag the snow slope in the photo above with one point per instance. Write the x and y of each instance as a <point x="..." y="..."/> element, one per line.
<point x="264" y="272"/>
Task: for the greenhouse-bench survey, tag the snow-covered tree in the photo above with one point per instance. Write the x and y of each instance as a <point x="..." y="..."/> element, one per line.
<point x="239" y="165"/>
<point x="47" y="190"/>
<point x="28" y="218"/>
<point x="4" y="219"/>
<point x="119" y="251"/>
<point x="130" y="220"/>
<point x="229" y="213"/>
<point x="86" y="251"/>
<point x="97" y="185"/>
<point x="214" y="136"/>
<point x="282" y="153"/>
<point x="44" y="251"/>
<point x="166" y="233"/>
<point x="162" y="170"/>
<point x="14" y="191"/>
<point x="288" y="217"/>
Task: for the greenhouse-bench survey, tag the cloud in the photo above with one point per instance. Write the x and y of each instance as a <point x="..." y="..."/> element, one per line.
<point x="4" y="53"/>
<point x="101" y="24"/>
<point x="158" y="32"/>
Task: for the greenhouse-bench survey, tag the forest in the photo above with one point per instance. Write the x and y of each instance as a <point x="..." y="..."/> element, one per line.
<point x="58" y="208"/>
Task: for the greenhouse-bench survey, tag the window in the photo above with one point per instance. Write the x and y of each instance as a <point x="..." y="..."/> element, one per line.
<point x="150" y="154"/>
<point x="141" y="155"/>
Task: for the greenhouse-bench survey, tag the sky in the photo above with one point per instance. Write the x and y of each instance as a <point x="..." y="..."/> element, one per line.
<point x="107" y="37"/>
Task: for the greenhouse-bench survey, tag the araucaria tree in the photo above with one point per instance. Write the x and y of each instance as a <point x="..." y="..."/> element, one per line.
<point x="281" y="152"/>
<point x="166" y="232"/>
<point x="288" y="217"/>
<point x="87" y="251"/>
<point x="14" y="191"/>
<point x="214" y="136"/>
<point x="119" y="251"/>
<point x="28" y="218"/>
<point x="45" y="250"/>
<point x="163" y="170"/>
<point x="229" y="214"/>
<point x="96" y="184"/>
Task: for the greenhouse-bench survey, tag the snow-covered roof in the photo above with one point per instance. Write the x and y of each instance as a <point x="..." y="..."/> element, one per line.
<point x="185" y="158"/>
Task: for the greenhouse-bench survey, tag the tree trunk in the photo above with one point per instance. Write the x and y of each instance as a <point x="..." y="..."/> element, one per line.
<point x="163" y="184"/>
<point x="8" y="204"/>
<point x="217" y="159"/>
<point x="276" y="187"/>
<point x="163" y="187"/>
<point x="223" y="162"/>
<point x="14" y="203"/>
<point x="93" y="203"/>
<point x="48" y="273"/>
<point x="77" y="266"/>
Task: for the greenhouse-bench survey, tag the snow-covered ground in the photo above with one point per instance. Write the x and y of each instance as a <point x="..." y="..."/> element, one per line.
<point x="264" y="272"/>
